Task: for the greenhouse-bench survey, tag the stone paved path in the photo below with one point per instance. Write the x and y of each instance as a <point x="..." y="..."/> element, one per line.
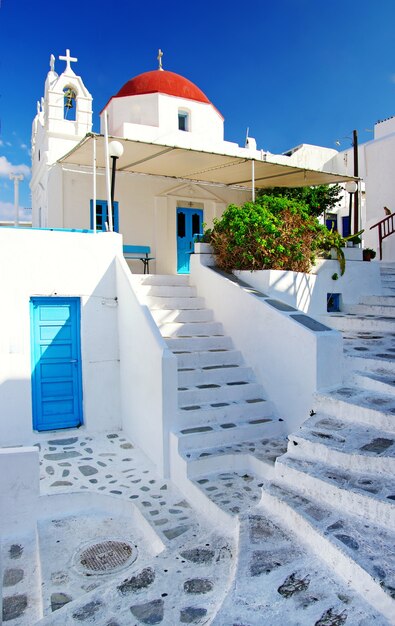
<point x="185" y="571"/>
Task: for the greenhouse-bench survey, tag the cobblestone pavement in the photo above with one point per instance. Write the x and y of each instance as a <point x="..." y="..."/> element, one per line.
<point x="176" y="568"/>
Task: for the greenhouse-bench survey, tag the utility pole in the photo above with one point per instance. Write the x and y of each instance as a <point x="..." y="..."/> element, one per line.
<point x="16" y="178"/>
<point x="356" y="194"/>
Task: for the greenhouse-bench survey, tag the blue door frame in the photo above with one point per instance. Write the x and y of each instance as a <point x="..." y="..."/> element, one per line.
<point x="56" y="363"/>
<point x="189" y="224"/>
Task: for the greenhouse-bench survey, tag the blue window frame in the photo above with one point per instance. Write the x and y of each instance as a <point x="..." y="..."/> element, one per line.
<point x="102" y="215"/>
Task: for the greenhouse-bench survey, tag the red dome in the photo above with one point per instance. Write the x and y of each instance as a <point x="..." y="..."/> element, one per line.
<point x="162" y="81"/>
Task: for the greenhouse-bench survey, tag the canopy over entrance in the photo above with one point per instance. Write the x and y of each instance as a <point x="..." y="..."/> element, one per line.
<point x="199" y="166"/>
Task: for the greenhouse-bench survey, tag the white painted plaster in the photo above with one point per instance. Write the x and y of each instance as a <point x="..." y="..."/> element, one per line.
<point x="148" y="375"/>
<point x="289" y="360"/>
<point x="58" y="264"/>
<point x="308" y="292"/>
<point x="19" y="488"/>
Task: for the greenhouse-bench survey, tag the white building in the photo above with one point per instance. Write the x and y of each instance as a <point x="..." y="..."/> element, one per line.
<point x="176" y="171"/>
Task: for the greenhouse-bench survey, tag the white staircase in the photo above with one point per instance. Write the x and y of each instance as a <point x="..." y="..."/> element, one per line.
<point x="220" y="404"/>
<point x="336" y="483"/>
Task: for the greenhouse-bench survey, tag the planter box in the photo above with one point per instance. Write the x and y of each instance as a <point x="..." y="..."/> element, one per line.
<point x="203" y="248"/>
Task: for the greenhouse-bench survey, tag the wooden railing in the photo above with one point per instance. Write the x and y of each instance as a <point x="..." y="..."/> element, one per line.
<point x="386" y="227"/>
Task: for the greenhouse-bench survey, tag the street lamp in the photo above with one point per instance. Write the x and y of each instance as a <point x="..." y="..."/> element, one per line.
<point x="351" y="187"/>
<point x="115" y="151"/>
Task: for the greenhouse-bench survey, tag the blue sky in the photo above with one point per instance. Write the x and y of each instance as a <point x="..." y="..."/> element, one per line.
<point x="293" y="71"/>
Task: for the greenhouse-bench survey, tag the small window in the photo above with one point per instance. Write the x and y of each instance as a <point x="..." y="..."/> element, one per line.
<point x="183" y="120"/>
<point x="102" y="216"/>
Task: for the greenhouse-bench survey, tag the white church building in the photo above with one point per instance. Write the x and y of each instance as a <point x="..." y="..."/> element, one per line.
<point x="238" y="431"/>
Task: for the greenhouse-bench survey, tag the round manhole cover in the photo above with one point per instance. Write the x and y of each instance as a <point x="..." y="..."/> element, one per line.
<point x="106" y="556"/>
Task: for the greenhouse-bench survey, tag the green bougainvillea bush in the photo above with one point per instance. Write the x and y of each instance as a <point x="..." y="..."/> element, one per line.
<point x="271" y="233"/>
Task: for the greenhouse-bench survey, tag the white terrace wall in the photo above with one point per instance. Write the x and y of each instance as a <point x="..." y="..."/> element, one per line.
<point x="309" y="292"/>
<point x="289" y="360"/>
<point x="45" y="263"/>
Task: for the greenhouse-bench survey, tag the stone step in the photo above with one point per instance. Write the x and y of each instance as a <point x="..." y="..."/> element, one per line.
<point x="174" y="302"/>
<point x="191" y="329"/>
<point x="362" y="494"/>
<point x="360" y="553"/>
<point x="258" y="454"/>
<point x="385" y="310"/>
<point x="166" y="316"/>
<point x="161" y="279"/>
<point x="345" y="322"/>
<point x="219" y="376"/>
<point x="376" y="347"/>
<point x="232" y="392"/>
<point x="357" y="405"/>
<point x="368" y="364"/>
<point x="168" y="291"/>
<point x="381" y="299"/>
<point x="376" y="380"/>
<point x="206" y="437"/>
<point x="227" y="412"/>
<point x="198" y="344"/>
<point x="209" y="360"/>
<point x="347" y="445"/>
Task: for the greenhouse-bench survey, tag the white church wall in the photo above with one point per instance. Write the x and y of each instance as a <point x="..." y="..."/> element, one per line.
<point x="148" y="375"/>
<point x="147" y="208"/>
<point x="44" y="263"/>
<point x="289" y="360"/>
<point x="154" y="118"/>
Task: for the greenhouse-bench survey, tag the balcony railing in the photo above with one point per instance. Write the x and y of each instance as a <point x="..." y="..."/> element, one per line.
<point x="386" y="227"/>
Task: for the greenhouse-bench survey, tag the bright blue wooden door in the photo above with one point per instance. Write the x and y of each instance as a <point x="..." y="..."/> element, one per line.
<point x="189" y="224"/>
<point x="56" y="363"/>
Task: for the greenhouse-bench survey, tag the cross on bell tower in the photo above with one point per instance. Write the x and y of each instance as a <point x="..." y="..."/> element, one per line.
<point x="69" y="59"/>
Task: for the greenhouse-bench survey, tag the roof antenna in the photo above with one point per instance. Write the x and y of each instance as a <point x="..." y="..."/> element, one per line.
<point x="246" y="141"/>
<point x="159" y="57"/>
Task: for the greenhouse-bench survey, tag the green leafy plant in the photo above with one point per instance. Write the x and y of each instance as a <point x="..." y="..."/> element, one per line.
<point x="335" y="276"/>
<point x="271" y="233"/>
<point x="319" y="199"/>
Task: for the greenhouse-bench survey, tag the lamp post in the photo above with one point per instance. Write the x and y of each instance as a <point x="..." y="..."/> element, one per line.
<point x="115" y="151"/>
<point x="351" y="188"/>
<point x="356" y="194"/>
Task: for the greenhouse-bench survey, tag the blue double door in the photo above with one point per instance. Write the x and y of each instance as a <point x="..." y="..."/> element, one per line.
<point x="189" y="224"/>
<point x="56" y="363"/>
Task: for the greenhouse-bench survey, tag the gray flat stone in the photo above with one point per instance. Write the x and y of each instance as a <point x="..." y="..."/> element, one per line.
<point x="15" y="551"/>
<point x="140" y="581"/>
<point x="192" y="615"/>
<point x="292" y="585"/>
<point x="58" y="600"/>
<point x="198" y="555"/>
<point x="348" y="541"/>
<point x="61" y="456"/>
<point x="12" y="576"/>
<point x="63" y="442"/>
<point x="172" y="533"/>
<point x="378" y="445"/>
<point x="149" y="612"/>
<point x="88" y="610"/>
<point x="198" y="585"/>
<point x="87" y="470"/>
<point x="330" y="618"/>
<point x="14" y="607"/>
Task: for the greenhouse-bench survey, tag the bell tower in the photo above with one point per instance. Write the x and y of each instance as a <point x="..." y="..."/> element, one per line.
<point x="64" y="117"/>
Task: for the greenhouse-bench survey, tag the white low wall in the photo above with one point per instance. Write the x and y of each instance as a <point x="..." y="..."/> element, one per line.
<point x="309" y="292"/>
<point x="148" y="375"/>
<point x="19" y="489"/>
<point x="289" y="360"/>
<point x="45" y="263"/>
